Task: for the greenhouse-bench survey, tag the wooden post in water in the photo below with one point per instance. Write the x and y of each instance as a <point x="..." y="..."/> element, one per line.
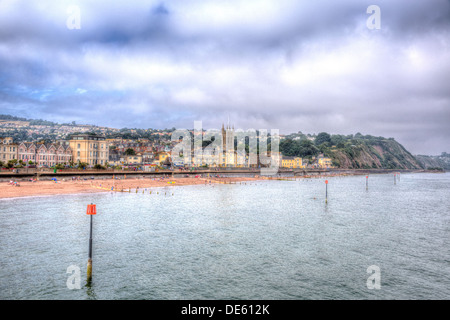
<point x="91" y="210"/>
<point x="326" y="191"/>
<point x="395" y="179"/>
<point x="367" y="182"/>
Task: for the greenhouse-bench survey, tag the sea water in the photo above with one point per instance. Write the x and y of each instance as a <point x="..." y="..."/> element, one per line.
<point x="255" y="240"/>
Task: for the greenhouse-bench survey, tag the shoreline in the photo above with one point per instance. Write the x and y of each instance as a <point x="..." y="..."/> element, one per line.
<point x="69" y="186"/>
<point x="64" y="187"/>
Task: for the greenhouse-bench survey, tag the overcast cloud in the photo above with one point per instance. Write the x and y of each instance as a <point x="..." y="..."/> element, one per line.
<point x="307" y="66"/>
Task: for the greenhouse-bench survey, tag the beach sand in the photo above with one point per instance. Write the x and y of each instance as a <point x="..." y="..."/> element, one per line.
<point x="41" y="188"/>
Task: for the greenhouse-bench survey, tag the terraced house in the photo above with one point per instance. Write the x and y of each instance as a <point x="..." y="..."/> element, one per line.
<point x="27" y="152"/>
<point x="48" y="154"/>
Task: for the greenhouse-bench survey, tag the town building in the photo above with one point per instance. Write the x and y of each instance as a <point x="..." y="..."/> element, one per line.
<point x="46" y="154"/>
<point x="27" y="152"/>
<point x="291" y="162"/>
<point x="89" y="148"/>
<point x="325" y="162"/>
<point x="133" y="159"/>
<point x="8" y="149"/>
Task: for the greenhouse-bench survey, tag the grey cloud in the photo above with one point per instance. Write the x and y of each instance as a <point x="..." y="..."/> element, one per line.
<point x="309" y="66"/>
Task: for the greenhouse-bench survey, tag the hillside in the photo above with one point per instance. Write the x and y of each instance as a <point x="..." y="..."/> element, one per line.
<point x="353" y="151"/>
<point x="442" y="161"/>
<point x="22" y="129"/>
<point x="386" y="154"/>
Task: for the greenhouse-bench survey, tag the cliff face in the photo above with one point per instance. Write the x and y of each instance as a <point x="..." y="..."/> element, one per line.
<point x="376" y="154"/>
<point x="442" y="161"/>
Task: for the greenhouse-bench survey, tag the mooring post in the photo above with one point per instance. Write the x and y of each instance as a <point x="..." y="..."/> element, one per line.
<point x="91" y="210"/>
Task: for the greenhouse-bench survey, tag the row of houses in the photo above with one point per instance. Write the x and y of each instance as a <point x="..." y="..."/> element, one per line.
<point x="298" y="163"/>
<point x="41" y="154"/>
<point x="84" y="148"/>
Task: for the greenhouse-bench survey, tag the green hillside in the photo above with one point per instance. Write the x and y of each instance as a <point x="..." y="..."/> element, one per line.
<point x="352" y="151"/>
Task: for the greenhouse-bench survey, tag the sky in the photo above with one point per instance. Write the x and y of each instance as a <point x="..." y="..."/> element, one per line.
<point x="308" y="66"/>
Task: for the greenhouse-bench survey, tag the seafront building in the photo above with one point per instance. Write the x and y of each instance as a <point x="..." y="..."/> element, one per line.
<point x="51" y="154"/>
<point x="325" y="162"/>
<point x="45" y="154"/>
<point x="8" y="149"/>
<point x="89" y="148"/>
<point x="292" y="162"/>
<point x="41" y="154"/>
<point x="27" y="152"/>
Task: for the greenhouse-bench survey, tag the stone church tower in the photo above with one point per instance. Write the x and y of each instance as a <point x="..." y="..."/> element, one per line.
<point x="228" y="144"/>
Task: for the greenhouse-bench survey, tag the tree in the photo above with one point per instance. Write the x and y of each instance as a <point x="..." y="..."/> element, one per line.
<point x="130" y="152"/>
<point x="295" y="148"/>
<point x="289" y="147"/>
<point x="322" y="137"/>
<point x="307" y="148"/>
<point x="2" y="164"/>
<point x="11" y="163"/>
<point x="324" y="147"/>
<point x="82" y="165"/>
<point x="337" y="139"/>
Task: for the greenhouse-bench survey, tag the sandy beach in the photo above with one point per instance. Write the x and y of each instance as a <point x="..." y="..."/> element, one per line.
<point x="68" y="186"/>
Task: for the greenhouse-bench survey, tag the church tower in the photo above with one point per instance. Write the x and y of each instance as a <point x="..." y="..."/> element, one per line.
<point x="228" y="144"/>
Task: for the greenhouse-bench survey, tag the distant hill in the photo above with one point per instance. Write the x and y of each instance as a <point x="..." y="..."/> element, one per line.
<point x="442" y="161"/>
<point x="12" y="118"/>
<point x="31" y="122"/>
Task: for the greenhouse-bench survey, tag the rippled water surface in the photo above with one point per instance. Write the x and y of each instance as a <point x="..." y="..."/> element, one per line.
<point x="262" y="240"/>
